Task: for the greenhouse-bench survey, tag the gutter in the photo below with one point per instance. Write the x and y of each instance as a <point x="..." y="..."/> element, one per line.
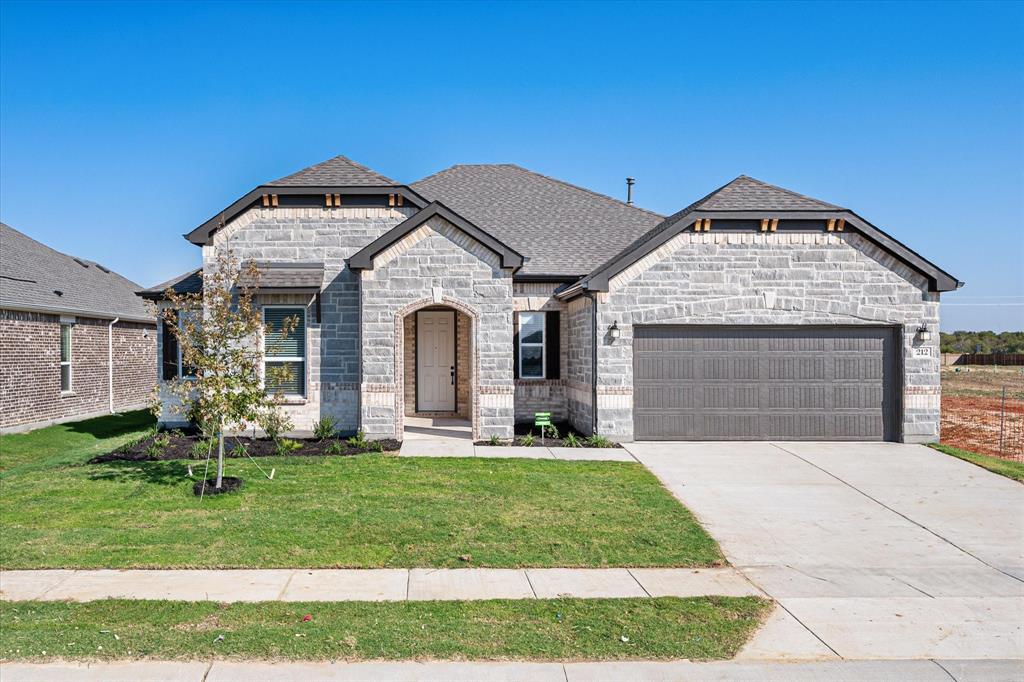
<point x="110" y="362"/>
<point x="50" y="310"/>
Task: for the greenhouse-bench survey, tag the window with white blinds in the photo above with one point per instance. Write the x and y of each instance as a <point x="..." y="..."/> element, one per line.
<point x="284" y="350"/>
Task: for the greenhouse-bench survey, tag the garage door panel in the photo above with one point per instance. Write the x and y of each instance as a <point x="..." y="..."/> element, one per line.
<point x="749" y="383"/>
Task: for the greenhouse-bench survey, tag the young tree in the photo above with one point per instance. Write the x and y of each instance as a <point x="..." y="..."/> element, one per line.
<point x="219" y="332"/>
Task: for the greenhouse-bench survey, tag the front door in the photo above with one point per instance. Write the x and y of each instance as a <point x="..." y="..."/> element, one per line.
<point x="435" y="361"/>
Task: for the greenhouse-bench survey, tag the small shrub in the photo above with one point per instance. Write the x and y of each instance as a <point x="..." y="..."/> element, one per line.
<point x="201" y="448"/>
<point x="377" y="446"/>
<point x="494" y="440"/>
<point x="161" y="440"/>
<point x="240" y="450"/>
<point x="275" y="423"/>
<point x="528" y="440"/>
<point x="335" y="448"/>
<point x="358" y="441"/>
<point x="597" y="441"/>
<point x="325" y="427"/>
<point x="286" y="445"/>
<point x="154" y="450"/>
<point x="551" y="432"/>
<point x="571" y="441"/>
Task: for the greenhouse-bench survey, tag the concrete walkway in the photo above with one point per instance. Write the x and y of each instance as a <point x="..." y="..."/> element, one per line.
<point x="417" y="584"/>
<point x="230" y="671"/>
<point x="872" y="550"/>
<point x="450" y="447"/>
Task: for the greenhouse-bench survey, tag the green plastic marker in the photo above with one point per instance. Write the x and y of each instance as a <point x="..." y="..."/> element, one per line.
<point x="542" y="419"/>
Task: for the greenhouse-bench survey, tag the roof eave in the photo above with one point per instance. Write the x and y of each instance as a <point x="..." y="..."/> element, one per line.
<point x="939" y="279"/>
<point x="94" y="314"/>
<point x="201" y="235"/>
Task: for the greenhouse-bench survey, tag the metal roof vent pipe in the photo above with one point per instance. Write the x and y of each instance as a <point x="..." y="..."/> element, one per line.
<point x="629" y="190"/>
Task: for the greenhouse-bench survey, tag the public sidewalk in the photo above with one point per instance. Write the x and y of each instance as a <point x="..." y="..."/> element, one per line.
<point x="386" y="584"/>
<point x="231" y="671"/>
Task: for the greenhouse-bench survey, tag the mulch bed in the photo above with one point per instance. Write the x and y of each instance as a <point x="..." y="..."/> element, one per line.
<point x="183" y="446"/>
<point x="564" y="428"/>
<point x="228" y="484"/>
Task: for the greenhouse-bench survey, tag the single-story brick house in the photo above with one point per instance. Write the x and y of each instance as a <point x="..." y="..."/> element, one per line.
<point x="75" y="340"/>
<point x="492" y="292"/>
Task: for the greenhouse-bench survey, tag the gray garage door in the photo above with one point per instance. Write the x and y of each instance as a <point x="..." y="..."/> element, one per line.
<point x="760" y="383"/>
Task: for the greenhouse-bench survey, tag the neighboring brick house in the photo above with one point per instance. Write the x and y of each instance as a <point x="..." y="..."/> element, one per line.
<point x="75" y="340"/>
<point x="491" y="292"/>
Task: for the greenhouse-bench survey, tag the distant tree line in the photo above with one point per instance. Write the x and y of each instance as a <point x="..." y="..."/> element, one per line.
<point x="981" y="342"/>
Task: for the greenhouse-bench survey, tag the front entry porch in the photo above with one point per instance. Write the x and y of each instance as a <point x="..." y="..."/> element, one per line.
<point x="437" y="372"/>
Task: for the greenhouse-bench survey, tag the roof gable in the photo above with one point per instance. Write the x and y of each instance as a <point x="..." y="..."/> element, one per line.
<point x="539" y="216"/>
<point x="32" y="273"/>
<point x="746" y="197"/>
<point x="339" y="171"/>
<point x="363" y="259"/>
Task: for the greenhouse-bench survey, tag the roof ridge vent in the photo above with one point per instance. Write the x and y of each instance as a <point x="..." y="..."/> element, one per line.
<point x="80" y="262"/>
<point x="106" y="270"/>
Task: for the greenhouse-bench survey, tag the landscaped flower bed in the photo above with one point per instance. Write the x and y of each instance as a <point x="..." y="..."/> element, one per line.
<point x="558" y="435"/>
<point x="169" y="445"/>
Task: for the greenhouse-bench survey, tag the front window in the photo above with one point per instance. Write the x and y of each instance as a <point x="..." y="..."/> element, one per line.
<point x="531" y="345"/>
<point x="65" y="358"/>
<point x="281" y="350"/>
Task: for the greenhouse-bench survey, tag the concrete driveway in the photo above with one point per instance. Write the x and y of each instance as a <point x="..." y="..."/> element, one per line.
<point x="872" y="550"/>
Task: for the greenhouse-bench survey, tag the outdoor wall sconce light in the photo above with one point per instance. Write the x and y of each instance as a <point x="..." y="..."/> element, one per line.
<point x="923" y="333"/>
<point x="613" y="331"/>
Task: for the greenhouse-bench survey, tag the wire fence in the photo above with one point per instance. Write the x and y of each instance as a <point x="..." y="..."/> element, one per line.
<point x="987" y="425"/>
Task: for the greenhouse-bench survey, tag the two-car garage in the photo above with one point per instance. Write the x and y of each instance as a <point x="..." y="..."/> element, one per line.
<point x="694" y="382"/>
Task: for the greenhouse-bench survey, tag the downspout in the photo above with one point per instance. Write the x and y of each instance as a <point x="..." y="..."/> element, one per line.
<point x="110" y="362"/>
<point x="593" y="362"/>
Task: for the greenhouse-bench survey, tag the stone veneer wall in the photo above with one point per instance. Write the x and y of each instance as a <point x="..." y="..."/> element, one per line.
<point x="770" y="279"/>
<point x="577" y="369"/>
<point x="437" y="264"/>
<point x="317" y="235"/>
<point x="542" y="395"/>
<point x="30" y="394"/>
<point x="463" y="362"/>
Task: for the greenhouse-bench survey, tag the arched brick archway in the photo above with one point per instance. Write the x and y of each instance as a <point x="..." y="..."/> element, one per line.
<point x="474" y="363"/>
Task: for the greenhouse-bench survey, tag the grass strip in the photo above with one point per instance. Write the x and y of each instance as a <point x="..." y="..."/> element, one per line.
<point x="1003" y="467"/>
<point x="367" y="511"/>
<point x="71" y="443"/>
<point x="700" y="628"/>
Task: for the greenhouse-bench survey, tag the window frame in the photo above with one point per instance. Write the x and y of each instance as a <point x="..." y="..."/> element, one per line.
<point x="542" y="345"/>
<point x="62" y="362"/>
<point x="305" y="346"/>
<point x="179" y="323"/>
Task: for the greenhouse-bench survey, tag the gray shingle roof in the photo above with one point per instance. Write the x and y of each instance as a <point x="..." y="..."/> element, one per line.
<point x="748" y="194"/>
<point x="286" y="276"/>
<point x="340" y="171"/>
<point x="560" y="228"/>
<point x="190" y="282"/>
<point x="31" y="273"/>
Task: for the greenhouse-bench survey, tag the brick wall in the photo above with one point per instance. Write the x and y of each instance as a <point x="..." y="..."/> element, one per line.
<point x="30" y="392"/>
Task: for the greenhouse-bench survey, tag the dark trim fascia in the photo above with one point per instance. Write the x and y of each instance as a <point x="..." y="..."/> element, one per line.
<point x="546" y="279"/>
<point x="286" y="290"/>
<point x="939" y="280"/>
<point x="363" y="259"/>
<point x="94" y="315"/>
<point x="201" y="235"/>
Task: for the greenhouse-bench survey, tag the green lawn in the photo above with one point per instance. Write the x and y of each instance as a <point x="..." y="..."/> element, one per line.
<point x="559" y="629"/>
<point x="365" y="511"/>
<point x="1003" y="467"/>
<point x="71" y="443"/>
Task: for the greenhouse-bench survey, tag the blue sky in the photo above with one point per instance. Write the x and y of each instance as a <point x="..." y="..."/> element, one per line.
<point x="123" y="126"/>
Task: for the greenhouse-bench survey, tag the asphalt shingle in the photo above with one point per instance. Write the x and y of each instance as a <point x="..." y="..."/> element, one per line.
<point x="340" y="171"/>
<point x="560" y="228"/>
<point x="32" y="274"/>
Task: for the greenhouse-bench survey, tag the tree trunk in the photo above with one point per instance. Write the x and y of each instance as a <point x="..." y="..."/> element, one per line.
<point x="220" y="454"/>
